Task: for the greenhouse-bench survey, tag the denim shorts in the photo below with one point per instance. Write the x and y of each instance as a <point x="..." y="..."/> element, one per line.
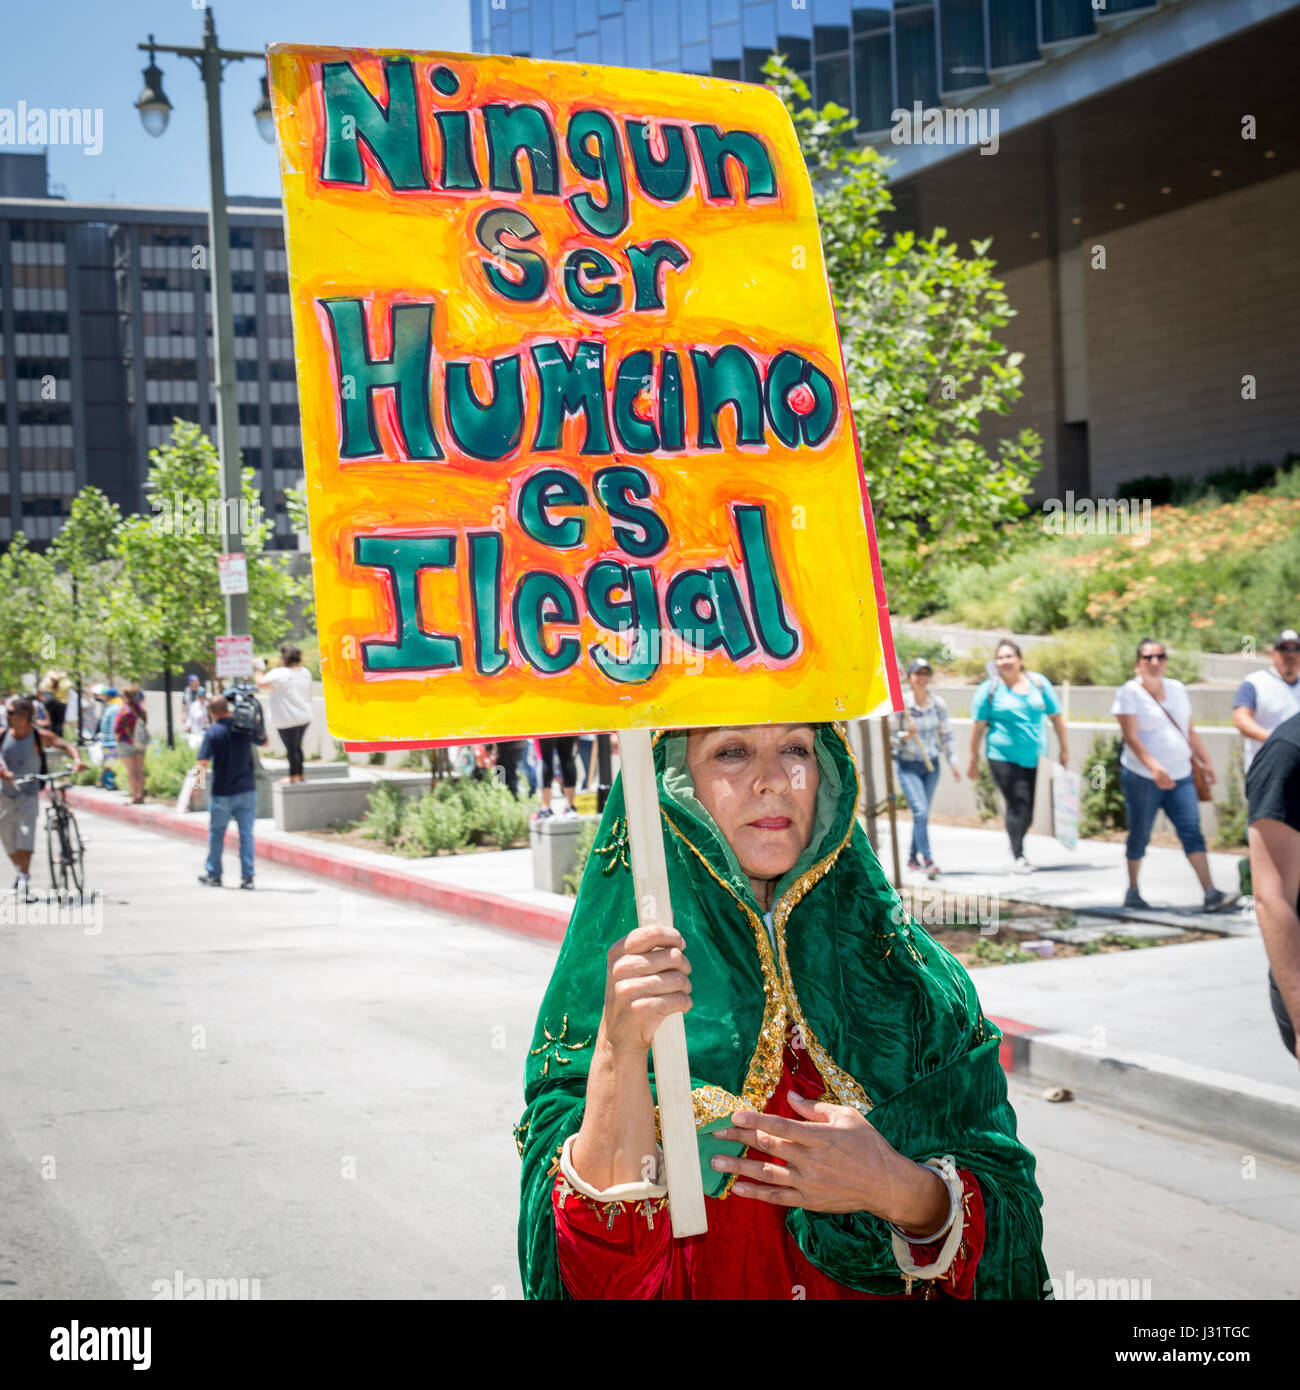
<point x="1144" y="799"/>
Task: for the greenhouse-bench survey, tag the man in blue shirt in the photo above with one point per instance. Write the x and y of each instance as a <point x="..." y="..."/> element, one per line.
<point x="232" y="791"/>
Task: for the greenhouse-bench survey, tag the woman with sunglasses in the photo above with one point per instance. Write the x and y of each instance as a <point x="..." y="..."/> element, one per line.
<point x="1155" y="720"/>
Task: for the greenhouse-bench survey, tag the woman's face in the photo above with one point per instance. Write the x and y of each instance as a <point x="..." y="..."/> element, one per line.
<point x="1008" y="663"/>
<point x="759" y="783"/>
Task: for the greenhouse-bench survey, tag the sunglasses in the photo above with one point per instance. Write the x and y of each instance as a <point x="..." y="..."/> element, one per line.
<point x="1154" y="656"/>
<point x="1289" y="647"/>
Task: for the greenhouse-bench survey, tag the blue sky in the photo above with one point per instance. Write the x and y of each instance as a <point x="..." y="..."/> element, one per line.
<point x="82" y="53"/>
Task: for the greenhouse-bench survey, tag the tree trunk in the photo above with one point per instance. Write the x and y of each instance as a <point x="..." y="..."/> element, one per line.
<point x="76" y="617"/>
<point x="167" y="696"/>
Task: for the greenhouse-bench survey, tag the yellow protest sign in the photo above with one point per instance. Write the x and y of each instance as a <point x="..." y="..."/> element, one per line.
<point x="578" y="445"/>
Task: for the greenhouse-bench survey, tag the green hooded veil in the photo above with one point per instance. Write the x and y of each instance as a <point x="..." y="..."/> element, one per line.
<point x="890" y="1018"/>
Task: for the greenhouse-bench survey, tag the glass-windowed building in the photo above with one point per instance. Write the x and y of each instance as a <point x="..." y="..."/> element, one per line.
<point x="106" y="338"/>
<point x="1140" y="181"/>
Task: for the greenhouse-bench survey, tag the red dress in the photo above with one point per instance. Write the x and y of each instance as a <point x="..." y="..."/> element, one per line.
<point x="625" y="1249"/>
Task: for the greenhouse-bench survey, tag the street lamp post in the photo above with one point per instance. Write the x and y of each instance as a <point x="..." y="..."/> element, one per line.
<point x="154" y="111"/>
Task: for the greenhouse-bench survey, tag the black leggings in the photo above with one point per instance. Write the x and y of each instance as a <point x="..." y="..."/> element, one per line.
<point x="292" y="740"/>
<point x="1016" y="784"/>
<point x="508" y="761"/>
<point x="562" y="750"/>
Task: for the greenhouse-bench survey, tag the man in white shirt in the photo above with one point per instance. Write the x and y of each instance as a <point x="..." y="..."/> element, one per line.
<point x="1269" y="697"/>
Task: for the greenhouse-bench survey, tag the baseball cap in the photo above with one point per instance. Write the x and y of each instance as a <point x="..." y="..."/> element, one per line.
<point x="918" y="664"/>
<point x="1288" y="634"/>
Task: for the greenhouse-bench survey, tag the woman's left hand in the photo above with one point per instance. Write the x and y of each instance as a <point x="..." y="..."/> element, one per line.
<point x="834" y="1161"/>
<point x="1065" y="757"/>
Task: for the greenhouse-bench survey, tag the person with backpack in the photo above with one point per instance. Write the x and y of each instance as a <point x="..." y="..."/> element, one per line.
<point x="232" y="789"/>
<point x="1164" y="766"/>
<point x="1014" y="707"/>
<point x="131" y="731"/>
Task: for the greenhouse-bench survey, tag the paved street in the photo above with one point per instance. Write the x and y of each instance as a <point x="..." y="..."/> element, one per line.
<point x="315" y="1088"/>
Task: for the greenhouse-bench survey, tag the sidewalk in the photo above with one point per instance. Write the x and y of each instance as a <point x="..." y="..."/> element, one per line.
<point x="495" y="886"/>
<point x="1091" y="878"/>
<point x="1181" y="1035"/>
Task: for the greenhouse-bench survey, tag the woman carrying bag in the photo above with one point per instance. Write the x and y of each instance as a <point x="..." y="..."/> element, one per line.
<point x="1164" y="766"/>
<point x="1014" y="707"/>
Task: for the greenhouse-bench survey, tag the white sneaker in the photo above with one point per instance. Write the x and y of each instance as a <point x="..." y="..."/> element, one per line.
<point x="1022" y="866"/>
<point x="568" y="812"/>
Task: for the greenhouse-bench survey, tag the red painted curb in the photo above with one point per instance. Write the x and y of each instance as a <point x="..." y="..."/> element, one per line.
<point x="1013" y="1051"/>
<point x="528" y="919"/>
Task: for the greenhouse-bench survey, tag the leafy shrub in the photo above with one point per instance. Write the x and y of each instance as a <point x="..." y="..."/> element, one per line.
<point x="973" y="664"/>
<point x="986" y="952"/>
<point x="1097" y="657"/>
<point x="1231" y="811"/>
<point x="1220" y="562"/>
<point x="376" y="758"/>
<point x="907" y="648"/>
<point x="435" y="823"/>
<point x="87" y="777"/>
<point x="1102" y="806"/>
<point x="165" y="769"/>
<point x="1040" y="605"/>
<point x="986" y="801"/>
<point x="492" y="815"/>
<point x="383" y="818"/>
<point x="586" y="839"/>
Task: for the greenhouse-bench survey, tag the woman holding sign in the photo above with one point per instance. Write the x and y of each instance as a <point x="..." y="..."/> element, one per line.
<point x="852" y="1118"/>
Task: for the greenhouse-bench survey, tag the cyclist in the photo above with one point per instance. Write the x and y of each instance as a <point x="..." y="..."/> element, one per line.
<point x="22" y="755"/>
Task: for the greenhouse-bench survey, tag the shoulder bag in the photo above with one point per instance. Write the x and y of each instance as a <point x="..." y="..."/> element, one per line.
<point x="1199" y="779"/>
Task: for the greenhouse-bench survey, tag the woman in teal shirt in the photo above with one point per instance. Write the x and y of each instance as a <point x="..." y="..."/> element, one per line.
<point x="1012" y="708"/>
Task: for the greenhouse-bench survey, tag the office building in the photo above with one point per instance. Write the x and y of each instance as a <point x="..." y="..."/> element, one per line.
<point x="106" y="337"/>
<point x="1142" y="188"/>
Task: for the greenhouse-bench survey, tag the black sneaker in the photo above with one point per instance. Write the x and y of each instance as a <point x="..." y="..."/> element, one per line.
<point x="245" y="882"/>
<point x="211" y="882"/>
<point x="1216" y="900"/>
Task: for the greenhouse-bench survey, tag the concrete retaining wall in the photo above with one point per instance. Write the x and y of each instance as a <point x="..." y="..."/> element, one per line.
<point x="1092" y="703"/>
<point x="321" y="802"/>
<point x="958" y="798"/>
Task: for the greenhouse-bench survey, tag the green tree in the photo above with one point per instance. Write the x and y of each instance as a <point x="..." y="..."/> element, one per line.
<point x="86" y="565"/>
<point x="918" y="324"/>
<point x="169" y="609"/>
<point x="27" y="644"/>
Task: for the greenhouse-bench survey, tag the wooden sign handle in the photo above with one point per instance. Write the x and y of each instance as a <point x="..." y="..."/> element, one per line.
<point x="672" y="1067"/>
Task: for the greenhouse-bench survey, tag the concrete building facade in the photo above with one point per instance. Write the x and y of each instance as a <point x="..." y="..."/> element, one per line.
<point x="1140" y="192"/>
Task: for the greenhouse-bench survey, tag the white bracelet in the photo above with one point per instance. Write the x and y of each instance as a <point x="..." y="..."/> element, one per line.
<point x="945" y="1169"/>
<point x="621" y="1192"/>
<point x="902" y="1253"/>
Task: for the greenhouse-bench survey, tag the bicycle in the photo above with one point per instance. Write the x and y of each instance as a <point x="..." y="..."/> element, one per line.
<point x="63" y="842"/>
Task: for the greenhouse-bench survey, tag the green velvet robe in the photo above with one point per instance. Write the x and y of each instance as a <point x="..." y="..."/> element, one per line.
<point x="890" y="1018"/>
